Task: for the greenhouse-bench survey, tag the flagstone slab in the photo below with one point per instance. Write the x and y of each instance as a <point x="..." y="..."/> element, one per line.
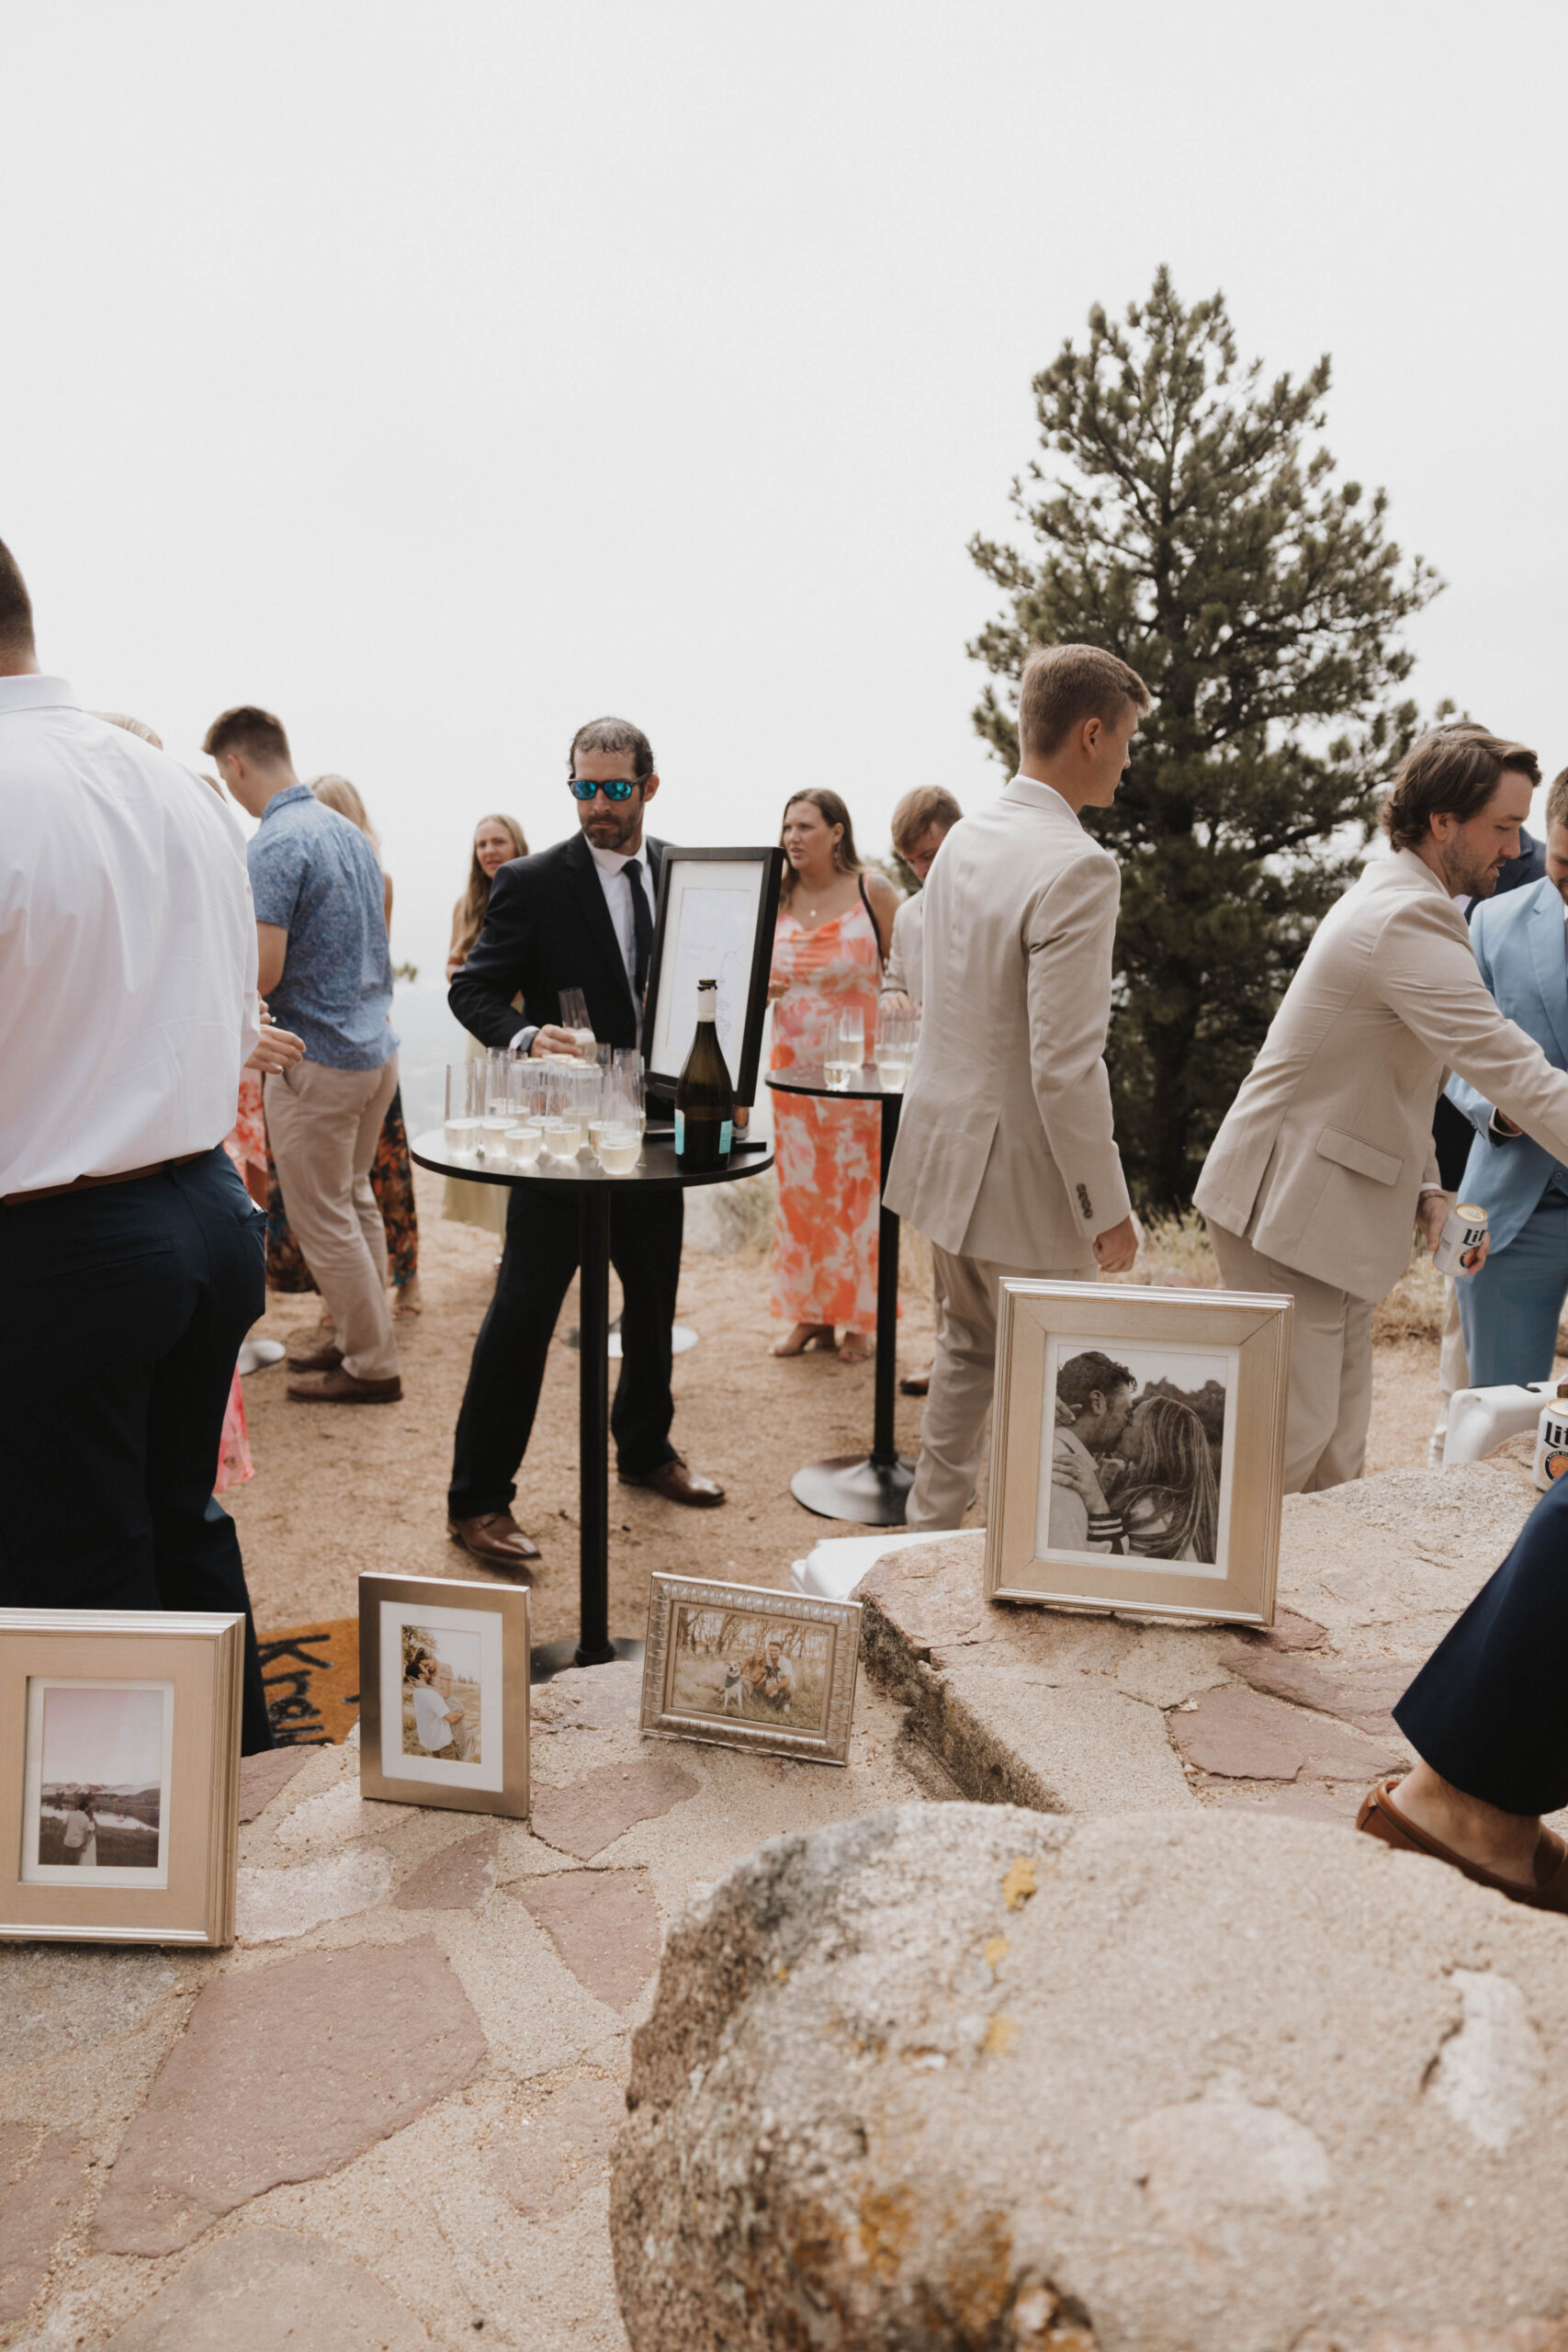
<point x="37" y="2208"/>
<point x="285" y="2073"/>
<point x="260" y="1777"/>
<point x="454" y="1878"/>
<point x="604" y="1924"/>
<point x="587" y="1698"/>
<point x="265" y="2290"/>
<point x="559" y="2147"/>
<point x="1245" y="1736"/>
<point x="1359" y="1691"/>
<point x="591" y="1814"/>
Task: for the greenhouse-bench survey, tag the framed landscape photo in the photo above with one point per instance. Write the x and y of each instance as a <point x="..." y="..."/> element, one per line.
<point x="119" y="1775"/>
<point x="715" y="922"/>
<point x="1137" y="1450"/>
<point x="751" y="1667"/>
<point x="444" y="1693"/>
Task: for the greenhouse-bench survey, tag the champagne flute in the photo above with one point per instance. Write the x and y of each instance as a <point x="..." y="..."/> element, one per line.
<point x="465" y="1108"/>
<point x="574" y="1016"/>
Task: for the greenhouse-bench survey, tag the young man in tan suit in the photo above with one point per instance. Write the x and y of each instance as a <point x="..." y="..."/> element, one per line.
<point x="1005" y="1157"/>
<point x="1326" y="1160"/>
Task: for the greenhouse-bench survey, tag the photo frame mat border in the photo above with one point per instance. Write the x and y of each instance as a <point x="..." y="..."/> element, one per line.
<point x="771" y="860"/>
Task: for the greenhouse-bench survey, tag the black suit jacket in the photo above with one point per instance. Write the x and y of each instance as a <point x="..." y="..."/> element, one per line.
<point x="547" y="928"/>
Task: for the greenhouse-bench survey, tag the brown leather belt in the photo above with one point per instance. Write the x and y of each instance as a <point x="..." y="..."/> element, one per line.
<point x="89" y="1184"/>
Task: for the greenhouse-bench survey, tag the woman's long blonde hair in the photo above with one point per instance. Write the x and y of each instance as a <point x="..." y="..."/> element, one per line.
<point x="336" y="792"/>
<point x="831" y="809"/>
<point x="476" y="898"/>
<point x="1174" y="1476"/>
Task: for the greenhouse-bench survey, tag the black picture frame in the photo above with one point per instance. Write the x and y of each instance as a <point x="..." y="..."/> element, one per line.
<point x="666" y="961"/>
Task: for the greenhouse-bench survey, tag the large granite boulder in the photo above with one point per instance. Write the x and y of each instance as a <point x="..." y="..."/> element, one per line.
<point x="967" y="2076"/>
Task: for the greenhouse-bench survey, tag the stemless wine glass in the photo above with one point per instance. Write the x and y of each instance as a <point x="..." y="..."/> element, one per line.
<point x="574" y="1016"/>
<point x="465" y="1108"/>
<point x="627" y="1070"/>
<point x="496" y="1113"/>
<point x="846" y="1050"/>
<point x="525" y="1135"/>
<point x="563" y="1129"/>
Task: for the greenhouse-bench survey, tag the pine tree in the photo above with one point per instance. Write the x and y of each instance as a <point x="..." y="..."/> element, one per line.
<point x="1188" y="518"/>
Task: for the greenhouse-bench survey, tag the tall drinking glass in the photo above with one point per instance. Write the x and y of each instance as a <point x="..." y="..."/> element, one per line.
<point x="896" y="1036"/>
<point x="846" y="1051"/>
<point x="465" y="1108"/>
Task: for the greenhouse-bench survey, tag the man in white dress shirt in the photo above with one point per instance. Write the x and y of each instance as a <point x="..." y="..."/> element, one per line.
<point x="1006" y="1158"/>
<point x="130" y="1254"/>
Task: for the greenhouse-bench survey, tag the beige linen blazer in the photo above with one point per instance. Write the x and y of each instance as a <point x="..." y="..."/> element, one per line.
<point x="1321" y="1156"/>
<point x="1005" y="1148"/>
<point x="902" y="973"/>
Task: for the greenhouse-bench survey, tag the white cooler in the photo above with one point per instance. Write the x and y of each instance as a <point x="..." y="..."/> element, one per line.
<point x="1480" y="1418"/>
<point x="834" y="1569"/>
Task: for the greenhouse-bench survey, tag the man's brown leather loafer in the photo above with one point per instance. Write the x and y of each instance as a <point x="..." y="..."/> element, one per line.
<point x="340" y="1387"/>
<point x="678" y="1485"/>
<point x="1380" y="1818"/>
<point x="323" y="1359"/>
<point x="496" y="1541"/>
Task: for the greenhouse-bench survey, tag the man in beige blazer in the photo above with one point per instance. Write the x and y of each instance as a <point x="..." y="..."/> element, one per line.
<point x="922" y="822"/>
<point x="1325" y="1161"/>
<point x="1005" y="1156"/>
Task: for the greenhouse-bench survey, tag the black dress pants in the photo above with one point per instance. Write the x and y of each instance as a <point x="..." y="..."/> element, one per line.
<point x="508" y="1368"/>
<point x="125" y="1307"/>
<point x="1489" y="1710"/>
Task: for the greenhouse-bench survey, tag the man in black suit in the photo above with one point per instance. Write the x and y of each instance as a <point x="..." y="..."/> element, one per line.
<point x="579" y="915"/>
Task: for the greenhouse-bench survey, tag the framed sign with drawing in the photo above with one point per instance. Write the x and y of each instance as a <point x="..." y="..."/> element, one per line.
<point x="715" y="922"/>
<point x="1137" y="1450"/>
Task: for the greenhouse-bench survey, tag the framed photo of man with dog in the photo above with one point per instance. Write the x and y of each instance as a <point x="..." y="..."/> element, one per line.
<point x="751" y="1667"/>
<point x="444" y="1669"/>
<point x="1137" y="1450"/>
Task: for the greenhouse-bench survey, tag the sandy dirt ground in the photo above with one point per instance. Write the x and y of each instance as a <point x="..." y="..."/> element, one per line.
<point x="343" y="1488"/>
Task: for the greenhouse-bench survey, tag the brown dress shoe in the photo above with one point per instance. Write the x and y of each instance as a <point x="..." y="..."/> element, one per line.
<point x="495" y="1539"/>
<point x="323" y="1359"/>
<point x="1381" y="1817"/>
<point x="915" y="1383"/>
<point x="678" y="1485"/>
<point x="340" y="1387"/>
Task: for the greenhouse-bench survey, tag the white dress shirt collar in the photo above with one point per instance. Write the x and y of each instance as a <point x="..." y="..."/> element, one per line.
<point x="612" y="862"/>
<point x="1040" y="796"/>
<point x="36" y="693"/>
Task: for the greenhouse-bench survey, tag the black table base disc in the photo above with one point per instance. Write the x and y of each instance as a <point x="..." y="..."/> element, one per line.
<point x="546" y="1660"/>
<point x="859" y="1487"/>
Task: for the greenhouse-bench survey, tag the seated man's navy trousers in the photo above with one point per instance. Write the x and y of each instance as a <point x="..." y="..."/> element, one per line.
<point x="1489" y="1710"/>
<point x="125" y="1306"/>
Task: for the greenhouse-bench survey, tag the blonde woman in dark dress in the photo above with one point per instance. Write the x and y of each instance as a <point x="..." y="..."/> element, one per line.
<point x="497" y="840"/>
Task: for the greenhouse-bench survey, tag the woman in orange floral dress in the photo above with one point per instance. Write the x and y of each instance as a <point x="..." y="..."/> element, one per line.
<point x="834" y="925"/>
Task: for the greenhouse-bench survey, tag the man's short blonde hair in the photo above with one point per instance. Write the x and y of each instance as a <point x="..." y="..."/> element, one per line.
<point x="1557" y="801"/>
<point x="928" y="805"/>
<point x="1062" y="686"/>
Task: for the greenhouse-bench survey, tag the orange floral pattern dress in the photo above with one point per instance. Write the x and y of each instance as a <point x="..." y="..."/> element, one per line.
<point x="829" y="1153"/>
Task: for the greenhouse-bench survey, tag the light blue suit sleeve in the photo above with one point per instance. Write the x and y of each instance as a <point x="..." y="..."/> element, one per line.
<point x="1465" y="1098"/>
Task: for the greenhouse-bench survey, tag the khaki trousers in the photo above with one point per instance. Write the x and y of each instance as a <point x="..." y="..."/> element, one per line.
<point x="953" y="1433"/>
<point x="1331" y="1366"/>
<point x="322" y="1127"/>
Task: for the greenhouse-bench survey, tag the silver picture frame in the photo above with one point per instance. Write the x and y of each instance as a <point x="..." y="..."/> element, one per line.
<point x="692" y="1667"/>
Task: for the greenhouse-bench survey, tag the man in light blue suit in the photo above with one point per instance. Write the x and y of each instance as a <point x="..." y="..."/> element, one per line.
<point x="1510" y="1309"/>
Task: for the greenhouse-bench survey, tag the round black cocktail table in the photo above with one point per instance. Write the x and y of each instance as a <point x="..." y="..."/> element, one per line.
<point x="870" y="1489"/>
<point x="659" y="1171"/>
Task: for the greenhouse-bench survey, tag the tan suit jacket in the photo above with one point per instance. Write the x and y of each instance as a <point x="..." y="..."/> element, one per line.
<point x="902" y="973"/>
<point x="1322" y="1154"/>
<point x="1005" y="1150"/>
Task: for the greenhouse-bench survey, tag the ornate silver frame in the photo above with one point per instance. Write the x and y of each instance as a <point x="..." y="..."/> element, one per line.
<point x="829" y="1746"/>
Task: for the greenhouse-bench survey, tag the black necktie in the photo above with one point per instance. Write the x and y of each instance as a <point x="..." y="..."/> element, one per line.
<point x="642" y="928"/>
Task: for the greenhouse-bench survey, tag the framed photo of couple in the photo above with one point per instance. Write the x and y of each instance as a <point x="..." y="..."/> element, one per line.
<point x="1137" y="1450"/>
<point x="119" y="1775"/>
<point x="444" y="1693"/>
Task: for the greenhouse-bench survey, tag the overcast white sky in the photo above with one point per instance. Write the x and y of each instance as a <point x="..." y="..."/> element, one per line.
<point x="441" y="376"/>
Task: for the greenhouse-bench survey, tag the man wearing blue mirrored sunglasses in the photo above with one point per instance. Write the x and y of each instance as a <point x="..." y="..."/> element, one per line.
<point x="578" y="915"/>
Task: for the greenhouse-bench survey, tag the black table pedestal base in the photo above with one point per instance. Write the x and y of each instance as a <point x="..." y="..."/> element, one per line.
<point x="866" y="1488"/>
<point x="547" y="1659"/>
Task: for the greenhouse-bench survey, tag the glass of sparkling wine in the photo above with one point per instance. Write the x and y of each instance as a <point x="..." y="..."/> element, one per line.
<point x="846" y="1051"/>
<point x="465" y="1108"/>
<point x="619" y="1144"/>
<point x="574" y="1016"/>
<point x="525" y="1135"/>
<point x="626" y="1076"/>
<point x="895" y="1033"/>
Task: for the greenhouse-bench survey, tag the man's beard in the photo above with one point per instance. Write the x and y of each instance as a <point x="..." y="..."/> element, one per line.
<point x="625" y="823"/>
<point x="1467" y="881"/>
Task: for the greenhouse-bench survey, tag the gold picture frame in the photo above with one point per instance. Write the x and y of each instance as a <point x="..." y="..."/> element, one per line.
<point x="473" y="1641"/>
<point x="709" y="1672"/>
<point x="119" y="1775"/>
<point x="1177" y="1514"/>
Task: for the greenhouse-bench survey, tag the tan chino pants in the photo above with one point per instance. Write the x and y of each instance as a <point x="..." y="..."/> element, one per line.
<point x="1331" y="1366"/>
<point x="322" y="1127"/>
<point x="953" y="1432"/>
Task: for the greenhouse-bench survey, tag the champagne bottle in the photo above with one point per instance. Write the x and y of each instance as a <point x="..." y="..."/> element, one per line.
<point x="705" y="1099"/>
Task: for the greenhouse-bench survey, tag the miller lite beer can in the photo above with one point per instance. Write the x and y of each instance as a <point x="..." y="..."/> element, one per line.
<point x="1552" y="1444"/>
<point x="1459" y="1244"/>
